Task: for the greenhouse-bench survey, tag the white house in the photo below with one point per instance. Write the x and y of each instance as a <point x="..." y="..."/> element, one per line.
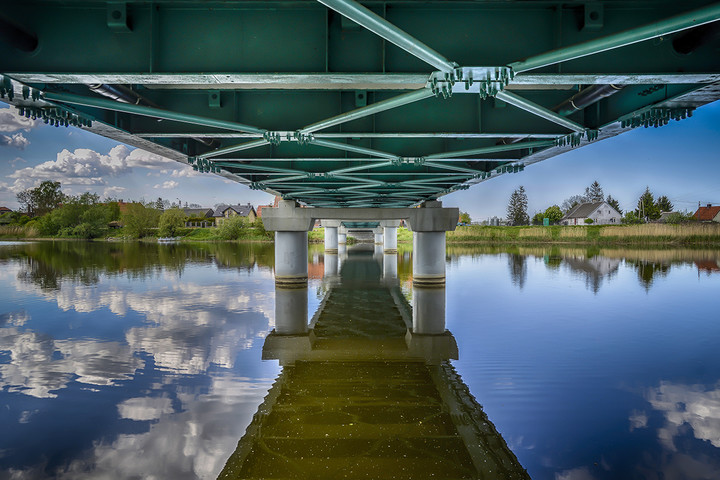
<point x="601" y="213"/>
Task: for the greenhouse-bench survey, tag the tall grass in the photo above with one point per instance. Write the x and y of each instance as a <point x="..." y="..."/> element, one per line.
<point x="16" y="231"/>
<point x="652" y="234"/>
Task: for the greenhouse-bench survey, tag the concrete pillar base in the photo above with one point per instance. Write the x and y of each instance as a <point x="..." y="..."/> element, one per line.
<point x="331" y="239"/>
<point x="429" y="259"/>
<point x="390" y="239"/>
<point x="291" y="259"/>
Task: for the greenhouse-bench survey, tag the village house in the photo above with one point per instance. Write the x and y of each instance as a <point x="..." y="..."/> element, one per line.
<point x="597" y="213"/>
<point x="223" y="212"/>
<point x="197" y="216"/>
<point x="4" y="210"/>
<point x="708" y="213"/>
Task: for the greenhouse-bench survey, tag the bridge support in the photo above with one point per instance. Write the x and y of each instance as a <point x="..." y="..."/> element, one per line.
<point x="331" y="235"/>
<point x="428" y="223"/>
<point x="378" y="236"/>
<point x="291" y="259"/>
<point x="390" y="236"/>
<point x="342" y="236"/>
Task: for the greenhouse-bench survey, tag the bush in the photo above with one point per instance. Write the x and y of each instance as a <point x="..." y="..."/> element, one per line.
<point x="631" y="218"/>
<point x="589" y="221"/>
<point x="139" y="220"/>
<point x="231" y="228"/>
<point x="171" y="221"/>
<point x="676" y="218"/>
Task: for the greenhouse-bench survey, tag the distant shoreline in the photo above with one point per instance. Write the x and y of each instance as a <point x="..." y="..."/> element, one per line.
<point x="694" y="234"/>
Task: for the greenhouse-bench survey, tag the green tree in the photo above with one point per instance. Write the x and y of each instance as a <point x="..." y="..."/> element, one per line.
<point x="554" y="214"/>
<point x="231" y="228"/>
<point x="465" y="218"/>
<point x="614" y="203"/>
<point x="517" y="207"/>
<point x="646" y="206"/>
<point x="41" y="199"/>
<point x="664" y="204"/>
<point x="537" y="219"/>
<point x="171" y="221"/>
<point x="139" y="220"/>
<point x="594" y="193"/>
<point x="571" y="202"/>
<point x="630" y="218"/>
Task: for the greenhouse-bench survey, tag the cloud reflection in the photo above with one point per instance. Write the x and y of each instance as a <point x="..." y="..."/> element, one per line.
<point x="691" y="405"/>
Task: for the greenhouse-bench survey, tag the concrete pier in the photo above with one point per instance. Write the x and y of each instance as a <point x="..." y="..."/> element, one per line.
<point x="378" y="236"/>
<point x="390" y="238"/>
<point x="429" y="258"/>
<point x="428" y="224"/>
<point x="331" y="239"/>
<point x="291" y="258"/>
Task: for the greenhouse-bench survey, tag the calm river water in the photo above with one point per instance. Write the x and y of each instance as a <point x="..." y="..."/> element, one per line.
<point x="130" y="361"/>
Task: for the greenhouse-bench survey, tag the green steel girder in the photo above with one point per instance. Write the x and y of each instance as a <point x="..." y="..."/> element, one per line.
<point x="317" y="108"/>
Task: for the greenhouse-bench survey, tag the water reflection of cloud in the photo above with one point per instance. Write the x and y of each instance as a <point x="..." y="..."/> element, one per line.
<point x="691" y="405"/>
<point x="40" y="365"/>
<point x="194" y="443"/>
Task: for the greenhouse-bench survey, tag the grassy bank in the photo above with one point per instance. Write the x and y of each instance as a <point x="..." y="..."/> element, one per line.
<point x="647" y="234"/>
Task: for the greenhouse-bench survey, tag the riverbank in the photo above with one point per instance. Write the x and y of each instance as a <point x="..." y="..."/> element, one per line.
<point x="692" y="235"/>
<point x="698" y="234"/>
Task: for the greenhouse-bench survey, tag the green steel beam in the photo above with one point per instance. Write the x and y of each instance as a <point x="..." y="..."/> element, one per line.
<point x="492" y="149"/>
<point x="360" y="168"/>
<point x="686" y="20"/>
<point x="352" y="148"/>
<point x="256" y="168"/>
<point x="378" y="25"/>
<point x="235" y="148"/>
<point x="538" y="110"/>
<point x="372" y="109"/>
<point x="148" y="112"/>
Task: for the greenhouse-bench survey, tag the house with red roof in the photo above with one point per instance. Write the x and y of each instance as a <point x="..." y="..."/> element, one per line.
<point x="708" y="213"/>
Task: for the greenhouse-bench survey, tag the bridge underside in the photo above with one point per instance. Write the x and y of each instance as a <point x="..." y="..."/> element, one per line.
<point x="297" y="99"/>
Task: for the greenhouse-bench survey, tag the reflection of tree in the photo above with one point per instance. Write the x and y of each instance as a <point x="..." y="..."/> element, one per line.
<point x="594" y="269"/>
<point x="46" y="264"/>
<point x="518" y="269"/>
<point x="647" y="271"/>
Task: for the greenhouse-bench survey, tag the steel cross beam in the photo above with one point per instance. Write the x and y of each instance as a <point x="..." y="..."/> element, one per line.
<point x="376" y="24"/>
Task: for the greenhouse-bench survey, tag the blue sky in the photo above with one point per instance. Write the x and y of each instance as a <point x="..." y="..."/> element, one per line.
<point x="680" y="160"/>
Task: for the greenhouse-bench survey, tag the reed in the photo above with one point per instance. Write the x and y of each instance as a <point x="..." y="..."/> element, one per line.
<point x="646" y="234"/>
<point x="16" y="231"/>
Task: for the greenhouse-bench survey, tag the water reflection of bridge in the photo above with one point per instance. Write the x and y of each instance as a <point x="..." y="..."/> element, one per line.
<point x="367" y="389"/>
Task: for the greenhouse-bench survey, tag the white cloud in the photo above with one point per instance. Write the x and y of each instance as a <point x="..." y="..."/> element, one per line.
<point x="16" y="140"/>
<point x="167" y="185"/>
<point x="145" y="408"/>
<point x="638" y="420"/>
<point x="112" y="191"/>
<point x="691" y="405"/>
<point x="87" y="167"/>
<point x="11" y="121"/>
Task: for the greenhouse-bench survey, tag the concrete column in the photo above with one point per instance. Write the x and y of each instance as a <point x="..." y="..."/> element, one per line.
<point x="291" y="258"/>
<point x="428" y="310"/>
<point x="331" y="264"/>
<point x="390" y="239"/>
<point x="291" y="311"/>
<point x="331" y="239"/>
<point x="429" y="258"/>
<point x="378" y="238"/>
<point x="342" y="238"/>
